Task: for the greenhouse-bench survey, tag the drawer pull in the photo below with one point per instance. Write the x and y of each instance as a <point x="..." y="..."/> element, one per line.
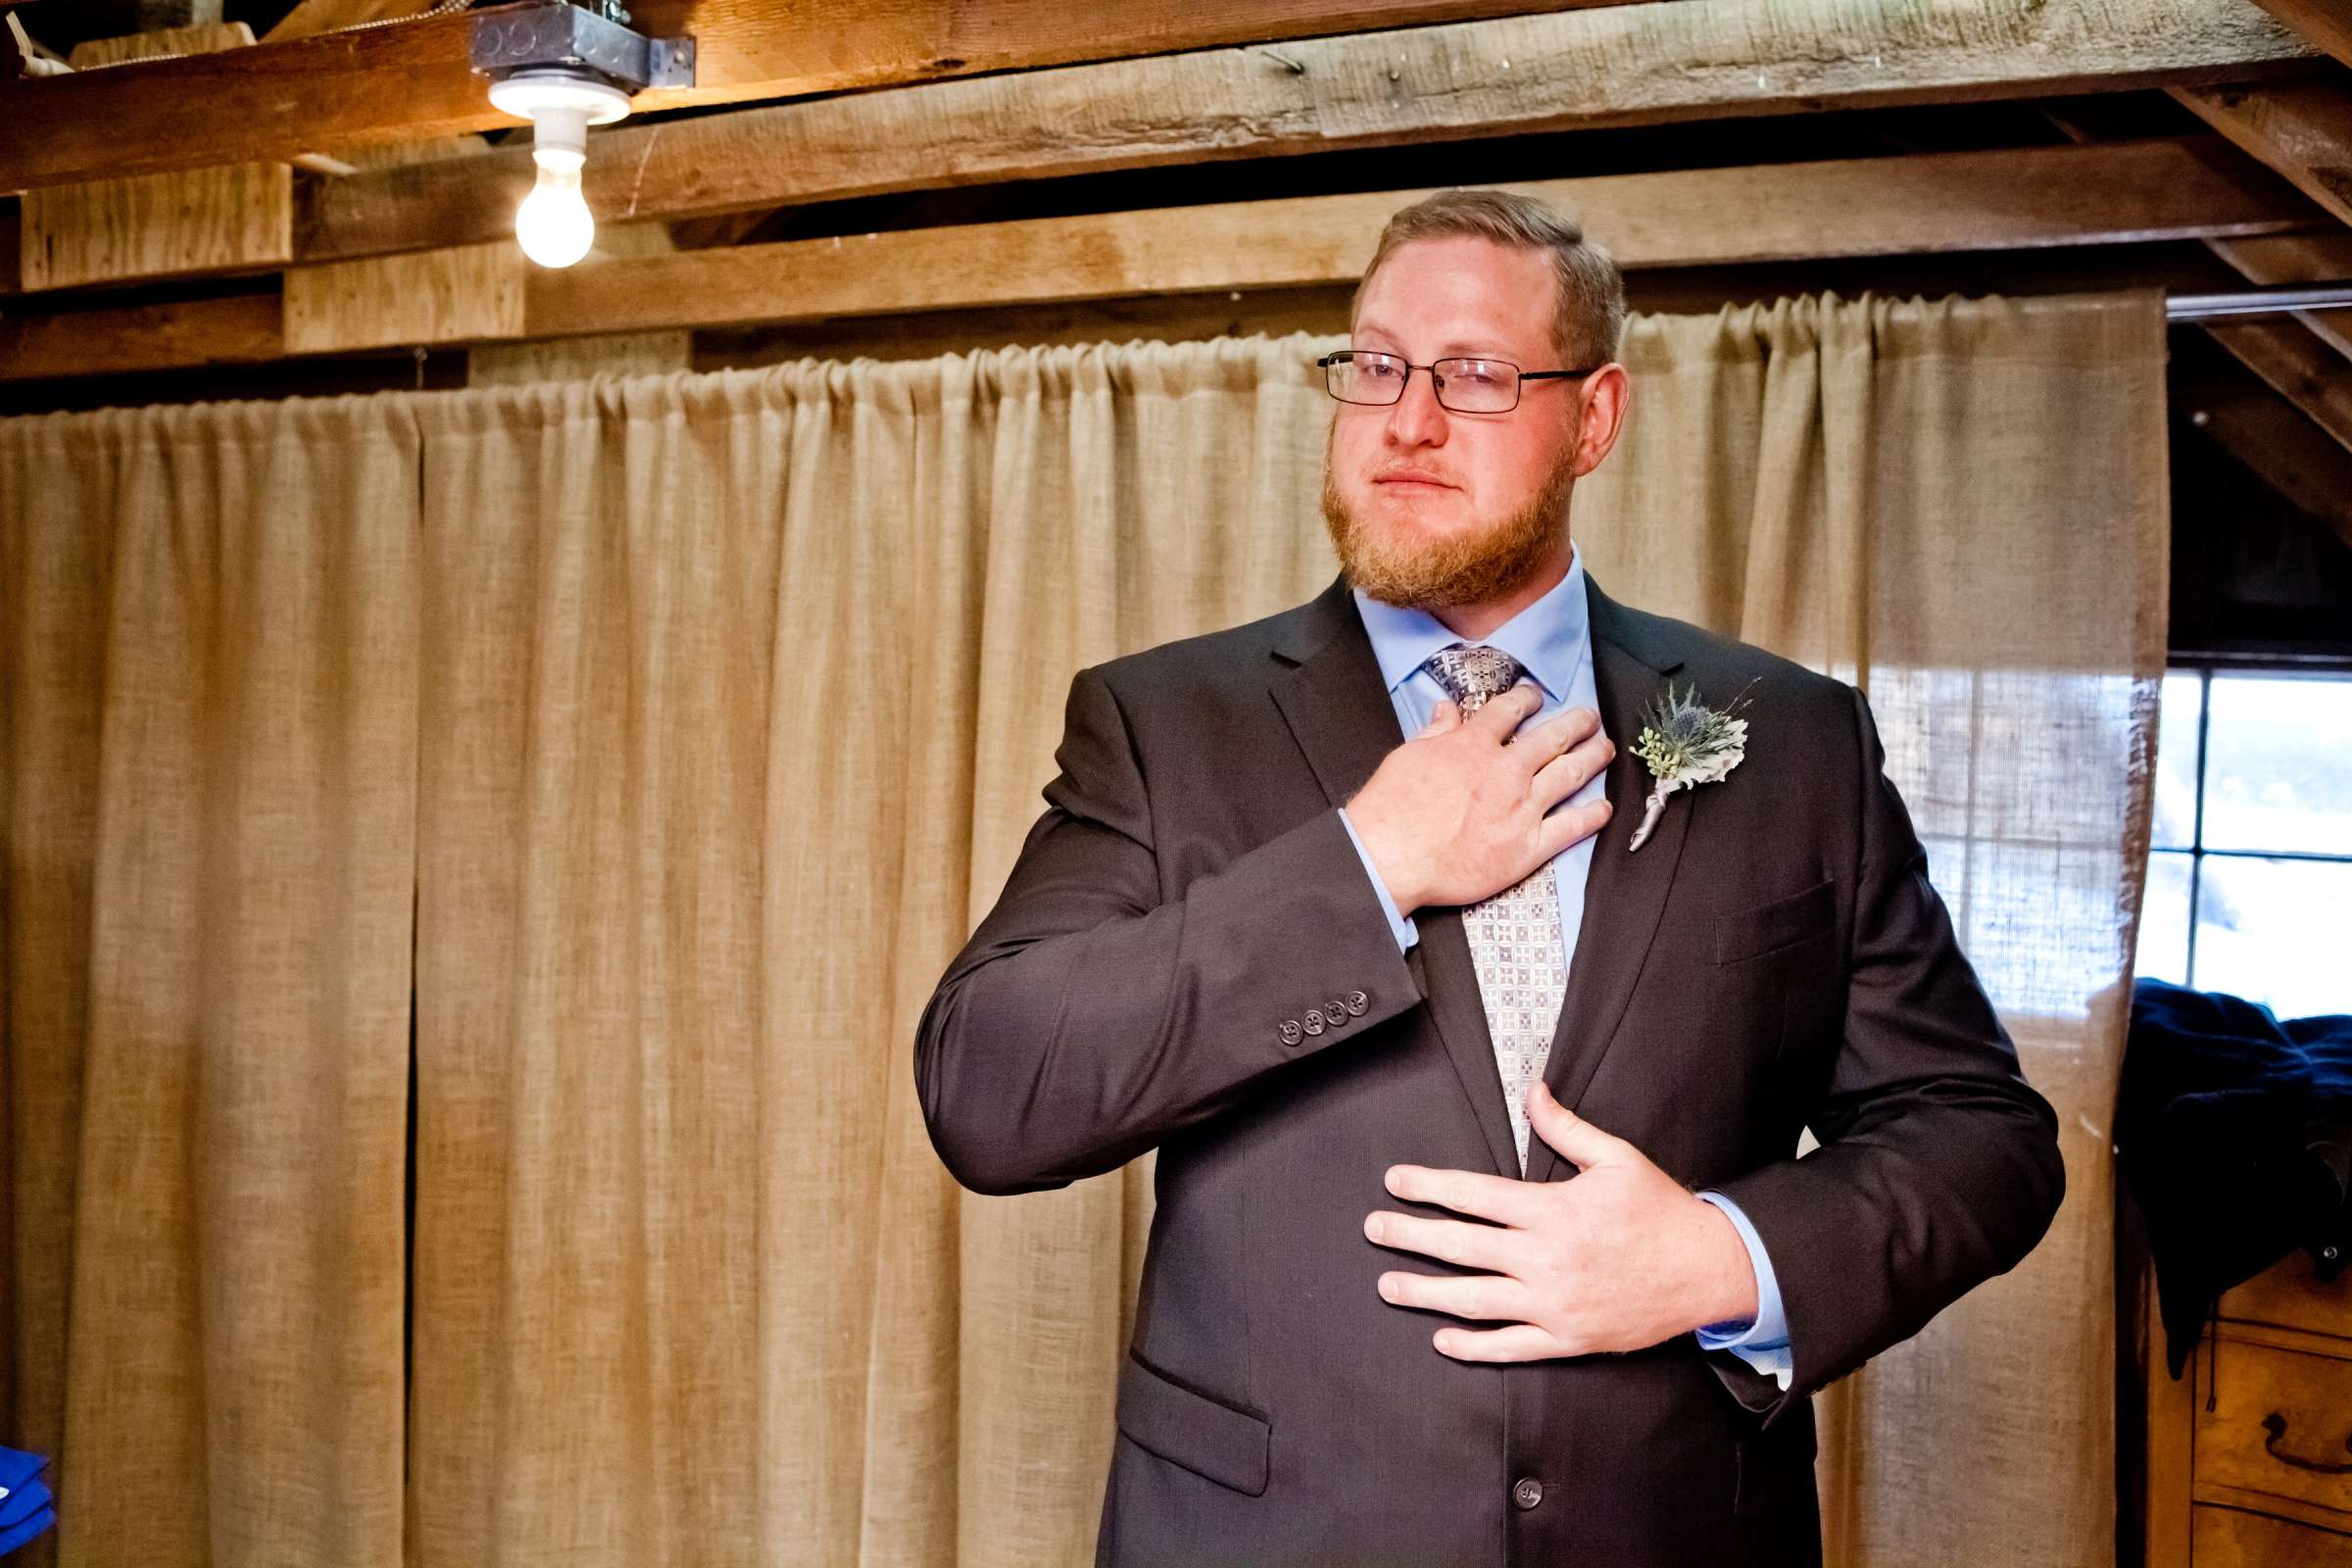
<point x="2275" y="1425"/>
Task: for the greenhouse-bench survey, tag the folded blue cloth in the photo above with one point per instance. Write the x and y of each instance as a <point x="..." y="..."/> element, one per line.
<point x="26" y="1509"/>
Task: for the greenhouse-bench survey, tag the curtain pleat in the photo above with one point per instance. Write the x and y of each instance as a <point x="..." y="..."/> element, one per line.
<point x="708" y="713"/>
<point x="242" y="738"/>
<point x="1962" y="505"/>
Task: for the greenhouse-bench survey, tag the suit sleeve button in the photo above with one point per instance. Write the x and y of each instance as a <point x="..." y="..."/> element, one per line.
<point x="1290" y="1031"/>
<point x="1313" y="1021"/>
<point x="1357" y="1002"/>
<point x="1337" y="1011"/>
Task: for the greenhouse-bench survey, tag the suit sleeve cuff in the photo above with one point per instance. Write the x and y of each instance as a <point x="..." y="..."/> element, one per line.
<point x="1405" y="932"/>
<point x="1763" y="1344"/>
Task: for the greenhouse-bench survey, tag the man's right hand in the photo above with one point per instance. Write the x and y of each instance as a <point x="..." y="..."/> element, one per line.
<point x="1462" y="810"/>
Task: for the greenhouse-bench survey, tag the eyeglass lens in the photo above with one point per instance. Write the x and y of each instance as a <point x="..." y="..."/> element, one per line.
<point x="1464" y="385"/>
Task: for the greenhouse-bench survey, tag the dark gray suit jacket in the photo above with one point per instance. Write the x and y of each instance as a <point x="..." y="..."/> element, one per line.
<point x="1772" y="958"/>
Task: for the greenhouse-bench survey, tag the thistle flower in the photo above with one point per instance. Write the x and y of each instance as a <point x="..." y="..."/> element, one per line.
<point x="1685" y="742"/>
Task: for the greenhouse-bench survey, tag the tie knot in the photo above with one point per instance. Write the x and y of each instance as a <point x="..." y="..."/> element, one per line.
<point x="1472" y="675"/>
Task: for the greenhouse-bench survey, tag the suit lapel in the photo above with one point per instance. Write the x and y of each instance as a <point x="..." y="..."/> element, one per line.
<point x="1330" y="694"/>
<point x="1625" y="894"/>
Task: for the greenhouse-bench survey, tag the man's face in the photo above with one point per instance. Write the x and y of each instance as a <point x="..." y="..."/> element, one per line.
<point x="1430" y="507"/>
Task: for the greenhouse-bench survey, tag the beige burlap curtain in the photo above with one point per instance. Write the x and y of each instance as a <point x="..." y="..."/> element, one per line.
<point x="730" y="698"/>
<point x="208" y="661"/>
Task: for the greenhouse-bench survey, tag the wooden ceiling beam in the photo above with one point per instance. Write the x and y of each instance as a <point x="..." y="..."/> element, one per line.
<point x="2270" y="259"/>
<point x="2324" y="22"/>
<point x="1974" y="201"/>
<point x="2296" y="365"/>
<point x="1622" y="63"/>
<point x="1572" y="70"/>
<point x="2302" y="129"/>
<point x="246" y="329"/>
<point x="390" y="83"/>
<point x="1928" y="204"/>
<point x="2283" y="448"/>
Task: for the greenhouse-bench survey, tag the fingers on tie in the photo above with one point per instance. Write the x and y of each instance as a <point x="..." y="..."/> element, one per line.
<point x="1443" y="717"/>
<point x="1572" y="824"/>
<point x="1507" y="711"/>
<point x="1571" y="770"/>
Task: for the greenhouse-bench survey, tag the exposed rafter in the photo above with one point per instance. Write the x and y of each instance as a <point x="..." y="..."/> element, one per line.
<point x="1693" y="60"/>
<point x="2302" y="129"/>
<point x="2293" y="456"/>
<point x="2325" y="22"/>
<point x="2296" y="365"/>
<point x="1622" y="63"/>
<point x="389" y="83"/>
<point x="2280" y="258"/>
<point x="1930" y="203"/>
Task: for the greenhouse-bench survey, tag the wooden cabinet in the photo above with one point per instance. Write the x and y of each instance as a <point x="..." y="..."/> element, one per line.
<point x="2262" y="1479"/>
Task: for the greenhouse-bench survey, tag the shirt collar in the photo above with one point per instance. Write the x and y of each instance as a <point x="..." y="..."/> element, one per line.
<point x="1546" y="638"/>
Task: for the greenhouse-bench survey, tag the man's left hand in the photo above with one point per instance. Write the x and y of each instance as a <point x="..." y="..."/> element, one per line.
<point x="1621" y="1258"/>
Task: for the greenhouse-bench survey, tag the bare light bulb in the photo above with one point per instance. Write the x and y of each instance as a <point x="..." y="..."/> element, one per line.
<point x="553" y="224"/>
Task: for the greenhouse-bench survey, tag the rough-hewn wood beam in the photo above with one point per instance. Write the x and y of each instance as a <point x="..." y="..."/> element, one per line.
<point x="1931" y="203"/>
<point x="313" y="16"/>
<point x="2275" y="259"/>
<point x="1695" y="59"/>
<point x="2296" y="365"/>
<point x="2115" y="192"/>
<point x="414" y="80"/>
<point x="226" y="218"/>
<point x="243" y="330"/>
<point x="2290" y="454"/>
<point x="2325" y="22"/>
<point x="2302" y="129"/>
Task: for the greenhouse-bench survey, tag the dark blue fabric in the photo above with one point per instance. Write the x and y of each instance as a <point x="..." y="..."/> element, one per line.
<point x="2235" y="1135"/>
<point x="25" y="1511"/>
<point x="13" y="1536"/>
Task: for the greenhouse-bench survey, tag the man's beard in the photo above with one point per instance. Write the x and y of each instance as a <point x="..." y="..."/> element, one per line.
<point x="1476" y="567"/>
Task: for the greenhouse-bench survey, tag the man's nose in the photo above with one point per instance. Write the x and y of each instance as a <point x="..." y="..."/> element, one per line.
<point x="1418" y="419"/>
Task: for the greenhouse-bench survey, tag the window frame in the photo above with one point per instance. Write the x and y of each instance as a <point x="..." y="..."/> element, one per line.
<point x="2205" y="665"/>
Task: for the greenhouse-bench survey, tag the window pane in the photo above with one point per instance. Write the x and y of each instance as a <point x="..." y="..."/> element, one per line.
<point x="2272" y="932"/>
<point x="2177" y="766"/>
<point x="2164" y="921"/>
<point x="2276" y="750"/>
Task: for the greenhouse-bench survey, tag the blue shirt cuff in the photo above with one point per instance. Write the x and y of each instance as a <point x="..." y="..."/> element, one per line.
<point x="1405" y="932"/>
<point x="1763" y="1344"/>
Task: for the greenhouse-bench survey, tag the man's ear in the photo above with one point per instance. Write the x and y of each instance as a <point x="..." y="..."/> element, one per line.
<point x="1601" y="416"/>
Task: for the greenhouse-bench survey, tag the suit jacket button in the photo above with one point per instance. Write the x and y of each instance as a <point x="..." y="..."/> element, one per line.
<point x="1357" y="1002"/>
<point x="1290" y="1031"/>
<point x="1337" y="1012"/>
<point x="1313" y="1021"/>
<point x="1528" y="1493"/>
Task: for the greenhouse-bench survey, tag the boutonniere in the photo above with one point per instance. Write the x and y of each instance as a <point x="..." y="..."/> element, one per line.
<point x="1686" y="744"/>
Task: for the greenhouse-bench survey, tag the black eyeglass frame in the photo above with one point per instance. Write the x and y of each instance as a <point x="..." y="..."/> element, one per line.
<point x="1437" y="381"/>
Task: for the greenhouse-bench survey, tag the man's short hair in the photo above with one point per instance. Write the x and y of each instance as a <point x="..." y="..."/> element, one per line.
<point x="1589" y="318"/>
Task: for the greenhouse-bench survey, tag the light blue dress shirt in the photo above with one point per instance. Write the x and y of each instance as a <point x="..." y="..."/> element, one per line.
<point x="1553" y="643"/>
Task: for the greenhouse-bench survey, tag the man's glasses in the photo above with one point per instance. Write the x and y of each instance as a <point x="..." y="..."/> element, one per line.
<point x="1464" y="384"/>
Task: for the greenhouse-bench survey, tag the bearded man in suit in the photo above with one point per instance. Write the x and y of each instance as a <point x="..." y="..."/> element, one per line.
<point x="1343" y="911"/>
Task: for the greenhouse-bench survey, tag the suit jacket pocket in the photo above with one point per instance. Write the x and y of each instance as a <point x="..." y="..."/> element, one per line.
<point x="1227" y="1445"/>
<point x="1781" y="923"/>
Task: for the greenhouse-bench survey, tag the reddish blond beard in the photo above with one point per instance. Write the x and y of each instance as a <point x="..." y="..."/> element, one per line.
<point x="1477" y="566"/>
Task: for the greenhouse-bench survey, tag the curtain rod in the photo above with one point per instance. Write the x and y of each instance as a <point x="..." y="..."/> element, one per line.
<point x="2258" y="302"/>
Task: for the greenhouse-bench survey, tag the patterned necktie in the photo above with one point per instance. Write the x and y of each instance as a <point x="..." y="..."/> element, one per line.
<point x="1515" y="935"/>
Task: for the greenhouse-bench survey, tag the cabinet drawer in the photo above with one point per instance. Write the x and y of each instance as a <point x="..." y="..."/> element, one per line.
<point x="2226" y="1537"/>
<point x="2259" y="1386"/>
<point x="2292" y="1297"/>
